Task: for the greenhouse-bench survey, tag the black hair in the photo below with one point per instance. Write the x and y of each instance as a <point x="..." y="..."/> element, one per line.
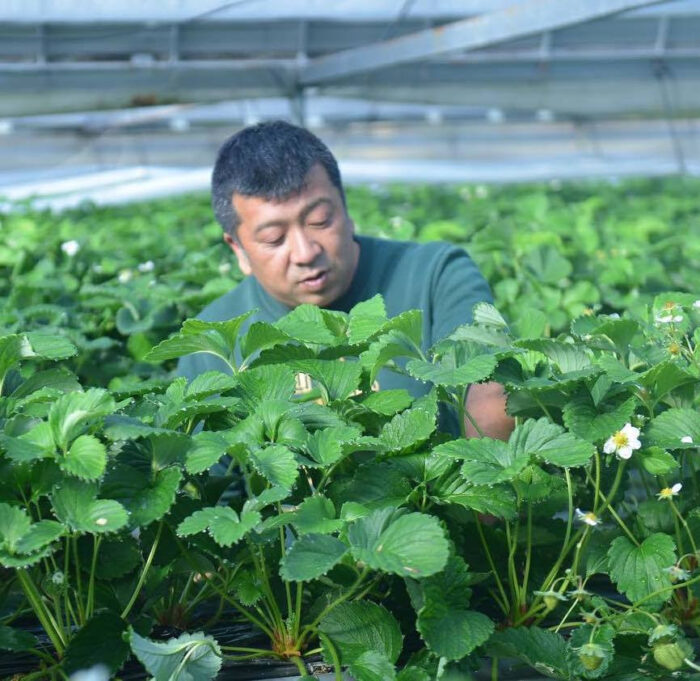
<point x="270" y="160"/>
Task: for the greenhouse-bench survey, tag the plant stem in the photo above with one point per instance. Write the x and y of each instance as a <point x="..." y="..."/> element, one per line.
<point x="297" y="611"/>
<point x="528" y="550"/>
<point x="685" y="526"/>
<point x="308" y="629"/>
<point x="489" y="557"/>
<point x="90" y="607"/>
<point x="51" y="628"/>
<point x="300" y="666"/>
<point x="80" y="603"/>
<point x="144" y="573"/>
<point x="328" y="645"/>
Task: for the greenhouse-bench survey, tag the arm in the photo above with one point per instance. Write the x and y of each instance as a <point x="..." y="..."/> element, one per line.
<point x="486" y="403"/>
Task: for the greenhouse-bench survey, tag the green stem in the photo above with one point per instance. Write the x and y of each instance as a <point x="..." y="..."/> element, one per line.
<point x="144" y="573"/>
<point x="685" y="526"/>
<point x="494" y="669"/>
<point x="489" y="558"/>
<point x="528" y="551"/>
<point x="297" y="611"/>
<point x="512" y="540"/>
<point x="620" y="522"/>
<point x="51" y="628"/>
<point x="328" y="645"/>
<point x="80" y="603"/>
<point x="309" y="628"/>
<point x="300" y="666"/>
<point x="90" y="607"/>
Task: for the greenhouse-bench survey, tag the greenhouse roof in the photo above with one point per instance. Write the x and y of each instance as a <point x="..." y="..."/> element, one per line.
<point x="599" y="58"/>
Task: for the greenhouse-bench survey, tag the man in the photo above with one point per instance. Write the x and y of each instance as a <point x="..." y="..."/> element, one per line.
<point x="277" y="193"/>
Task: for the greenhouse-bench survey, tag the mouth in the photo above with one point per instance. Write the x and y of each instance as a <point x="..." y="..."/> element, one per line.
<point x="315" y="281"/>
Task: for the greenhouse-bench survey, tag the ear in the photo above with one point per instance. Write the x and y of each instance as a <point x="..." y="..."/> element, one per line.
<point x="235" y="246"/>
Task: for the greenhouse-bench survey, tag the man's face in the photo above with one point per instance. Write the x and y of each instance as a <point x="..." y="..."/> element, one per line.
<point x="300" y="249"/>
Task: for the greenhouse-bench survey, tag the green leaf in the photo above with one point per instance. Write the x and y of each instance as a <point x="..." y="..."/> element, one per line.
<point x="338" y="379"/>
<point x="86" y="459"/>
<point x="377" y="485"/>
<point x="121" y="427"/>
<point x="565" y="356"/>
<point x="310" y="557"/>
<point x="413" y="674"/>
<point x="75" y="505"/>
<point x="372" y="666"/>
<point x="307" y="324"/>
<point x="60" y="380"/>
<point x="583" y="419"/>
<point x="407" y="430"/>
<point x="443" y="372"/>
<point x="215" y="338"/>
<point x="223" y="524"/>
<point x="39" y="536"/>
<point x="386" y="348"/>
<point x="445" y="622"/>
<point x="49" y="346"/>
<point x="189" y="657"/>
<point x="146" y="499"/>
<point x="360" y="626"/>
<point x="74" y="413"/>
<point x="206" y="449"/>
<point x="409" y="545"/>
<point x="487" y="315"/>
<point x="497" y="500"/>
<point x="99" y="641"/>
<point x="549" y="442"/>
<point x="316" y="514"/>
<point x="326" y="446"/>
<point x="267" y="382"/>
<point x="276" y="464"/>
<point x="261" y="336"/>
<point x="486" y="461"/>
<point x="387" y="402"/>
<point x="542" y="649"/>
<point x="14" y="524"/>
<point x="664" y="378"/>
<point x="365" y="319"/>
<point x="12" y="349"/>
<point x="657" y="461"/>
<point x="668" y="429"/>
<point x="639" y="571"/>
<point x="16" y="640"/>
<point x="209" y="383"/>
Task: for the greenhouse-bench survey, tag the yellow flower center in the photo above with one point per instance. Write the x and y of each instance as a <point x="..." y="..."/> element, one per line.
<point x="590" y="517"/>
<point x="620" y="439"/>
<point x="665" y="493"/>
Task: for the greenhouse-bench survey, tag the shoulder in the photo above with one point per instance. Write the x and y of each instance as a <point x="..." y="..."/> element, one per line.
<point x="390" y="248"/>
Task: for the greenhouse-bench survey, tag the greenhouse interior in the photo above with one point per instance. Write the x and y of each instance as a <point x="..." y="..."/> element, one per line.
<point x="350" y="340"/>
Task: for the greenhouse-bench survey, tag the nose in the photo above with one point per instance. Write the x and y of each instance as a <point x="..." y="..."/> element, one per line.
<point x="304" y="249"/>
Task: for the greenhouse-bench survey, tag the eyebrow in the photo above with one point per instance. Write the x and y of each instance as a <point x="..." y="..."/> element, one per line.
<point x="303" y="215"/>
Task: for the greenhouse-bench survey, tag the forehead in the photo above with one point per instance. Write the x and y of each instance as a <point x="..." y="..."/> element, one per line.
<point x="254" y="210"/>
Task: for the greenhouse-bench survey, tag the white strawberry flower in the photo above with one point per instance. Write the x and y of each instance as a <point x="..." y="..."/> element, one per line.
<point x="696" y="304"/>
<point x="669" y="318"/>
<point x="70" y="248"/>
<point x="125" y="276"/>
<point x="687" y="440"/>
<point x="669" y="492"/>
<point x="587" y="517"/>
<point x="147" y="266"/>
<point x="624" y="442"/>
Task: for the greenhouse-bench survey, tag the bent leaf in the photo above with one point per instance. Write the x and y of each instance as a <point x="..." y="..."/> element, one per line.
<point x="190" y="657"/>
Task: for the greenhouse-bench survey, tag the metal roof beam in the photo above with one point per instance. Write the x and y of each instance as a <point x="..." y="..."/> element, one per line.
<point x="524" y="18"/>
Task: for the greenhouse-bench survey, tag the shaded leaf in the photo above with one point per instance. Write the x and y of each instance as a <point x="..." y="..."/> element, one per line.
<point x="310" y="557"/>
